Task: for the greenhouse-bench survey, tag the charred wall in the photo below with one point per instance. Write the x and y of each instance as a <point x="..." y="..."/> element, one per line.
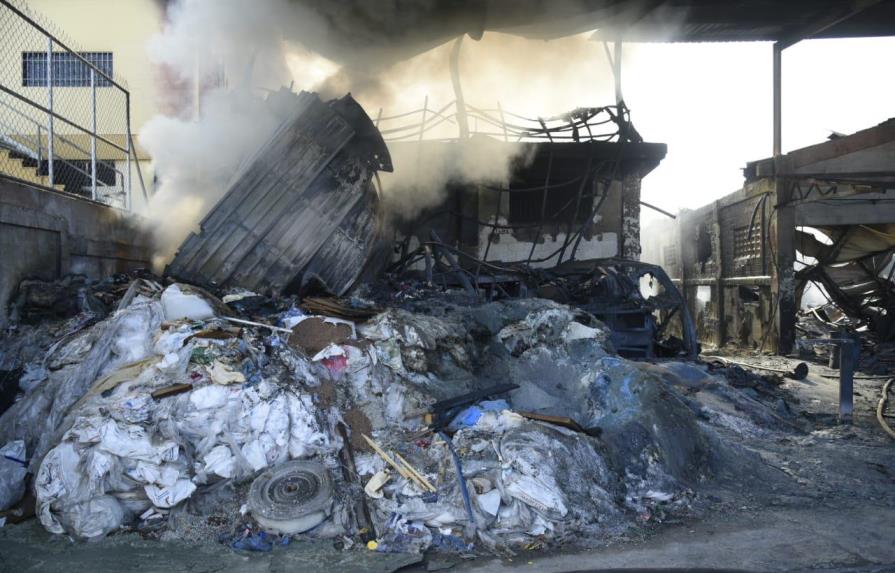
<point x="566" y="201"/>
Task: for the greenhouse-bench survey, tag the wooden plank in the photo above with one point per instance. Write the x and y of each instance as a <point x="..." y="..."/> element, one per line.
<point x="172" y="390"/>
<point x="555" y="420"/>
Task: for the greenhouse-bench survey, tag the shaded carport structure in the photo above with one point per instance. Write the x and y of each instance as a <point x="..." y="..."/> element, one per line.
<point x="366" y="34"/>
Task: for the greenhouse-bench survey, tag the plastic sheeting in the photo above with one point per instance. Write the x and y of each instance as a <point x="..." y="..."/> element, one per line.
<point x="39" y="417"/>
<point x="12" y="473"/>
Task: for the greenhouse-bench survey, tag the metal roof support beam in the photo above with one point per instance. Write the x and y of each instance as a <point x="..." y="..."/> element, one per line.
<point x="819" y="26"/>
<point x="792" y="38"/>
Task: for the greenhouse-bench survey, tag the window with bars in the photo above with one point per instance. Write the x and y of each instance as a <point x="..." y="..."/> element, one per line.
<point x="744" y="246"/>
<point x="669" y="253"/>
<point x="67" y="71"/>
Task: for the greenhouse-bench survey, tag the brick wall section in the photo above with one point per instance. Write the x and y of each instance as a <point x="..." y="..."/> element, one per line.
<point x="630" y="247"/>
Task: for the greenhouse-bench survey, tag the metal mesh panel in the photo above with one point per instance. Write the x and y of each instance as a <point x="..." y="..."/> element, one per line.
<point x="743" y="249"/>
<point x="64" y="125"/>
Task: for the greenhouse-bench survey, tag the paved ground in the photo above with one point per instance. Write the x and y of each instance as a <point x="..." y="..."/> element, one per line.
<point x="775" y="540"/>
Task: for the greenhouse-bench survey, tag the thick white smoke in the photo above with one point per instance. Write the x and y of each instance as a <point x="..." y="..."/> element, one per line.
<point x="219" y="56"/>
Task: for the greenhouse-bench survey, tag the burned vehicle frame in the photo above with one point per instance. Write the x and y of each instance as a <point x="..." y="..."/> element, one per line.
<point x="641" y="326"/>
<point x="610" y="289"/>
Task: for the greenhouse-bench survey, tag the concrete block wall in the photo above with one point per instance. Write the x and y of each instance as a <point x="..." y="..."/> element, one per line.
<point x="47" y="235"/>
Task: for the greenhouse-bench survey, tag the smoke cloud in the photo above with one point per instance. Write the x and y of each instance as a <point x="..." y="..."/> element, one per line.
<point x="222" y="55"/>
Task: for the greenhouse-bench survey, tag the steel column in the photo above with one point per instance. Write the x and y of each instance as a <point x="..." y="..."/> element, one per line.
<point x="784" y="266"/>
<point x="778" y="99"/>
<point x="619" y="99"/>
<point x="849" y="352"/>
<point x="462" y="121"/>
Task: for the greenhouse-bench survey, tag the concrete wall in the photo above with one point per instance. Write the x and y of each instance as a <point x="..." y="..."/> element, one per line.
<point x="48" y="235"/>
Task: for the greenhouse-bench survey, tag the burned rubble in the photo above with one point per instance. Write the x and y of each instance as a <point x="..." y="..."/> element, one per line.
<point x="284" y="381"/>
<point x="572" y="442"/>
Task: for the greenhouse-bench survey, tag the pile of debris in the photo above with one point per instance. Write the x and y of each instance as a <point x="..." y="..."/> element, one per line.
<point x="428" y="424"/>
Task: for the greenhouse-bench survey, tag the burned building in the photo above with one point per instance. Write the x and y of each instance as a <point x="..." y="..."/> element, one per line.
<point x="572" y="191"/>
<point x="822" y="214"/>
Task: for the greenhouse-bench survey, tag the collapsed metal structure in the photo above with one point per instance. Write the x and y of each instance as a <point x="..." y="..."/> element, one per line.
<point x="303" y="210"/>
<point x="744" y="260"/>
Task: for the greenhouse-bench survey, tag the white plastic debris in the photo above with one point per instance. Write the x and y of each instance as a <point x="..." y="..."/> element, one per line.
<point x="39" y="418"/>
<point x="331" y="351"/>
<point x="34" y="374"/>
<point x="220" y="461"/>
<point x="224" y="375"/>
<point x="178" y="304"/>
<point x="93" y="518"/>
<point x="14" y="451"/>
<point x="133" y="443"/>
<point x="537" y="494"/>
<point x="209" y="397"/>
<point x="578" y="331"/>
<point x="169" y="496"/>
<point x="489" y="502"/>
<point x="233" y="297"/>
<point x="163" y="475"/>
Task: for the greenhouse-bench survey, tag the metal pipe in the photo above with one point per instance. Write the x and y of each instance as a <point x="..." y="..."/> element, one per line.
<point x="458" y="467"/>
<point x="93" y="138"/>
<point x="654" y="208"/>
<point x="423" y="122"/>
<point x="127" y="185"/>
<point x="462" y="121"/>
<point x="140" y="171"/>
<point x="50" y="173"/>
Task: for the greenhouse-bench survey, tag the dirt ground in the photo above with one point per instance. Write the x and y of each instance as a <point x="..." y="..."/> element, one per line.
<point x="816" y="500"/>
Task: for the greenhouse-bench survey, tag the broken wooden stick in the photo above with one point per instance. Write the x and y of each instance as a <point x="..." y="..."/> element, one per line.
<point x="406" y="470"/>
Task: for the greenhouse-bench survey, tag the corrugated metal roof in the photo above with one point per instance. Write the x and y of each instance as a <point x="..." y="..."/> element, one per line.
<point x="302" y="209"/>
<point x="355" y="31"/>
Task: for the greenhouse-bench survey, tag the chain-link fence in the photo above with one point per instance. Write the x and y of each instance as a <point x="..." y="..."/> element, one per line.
<point x="64" y="117"/>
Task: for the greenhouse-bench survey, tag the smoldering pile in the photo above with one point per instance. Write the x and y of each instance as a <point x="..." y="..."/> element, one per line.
<point x="137" y="421"/>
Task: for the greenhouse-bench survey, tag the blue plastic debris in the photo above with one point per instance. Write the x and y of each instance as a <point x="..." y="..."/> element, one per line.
<point x="259" y="541"/>
<point x="451" y="543"/>
<point x="291" y="317"/>
<point x="468" y="417"/>
<point x="253" y="542"/>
